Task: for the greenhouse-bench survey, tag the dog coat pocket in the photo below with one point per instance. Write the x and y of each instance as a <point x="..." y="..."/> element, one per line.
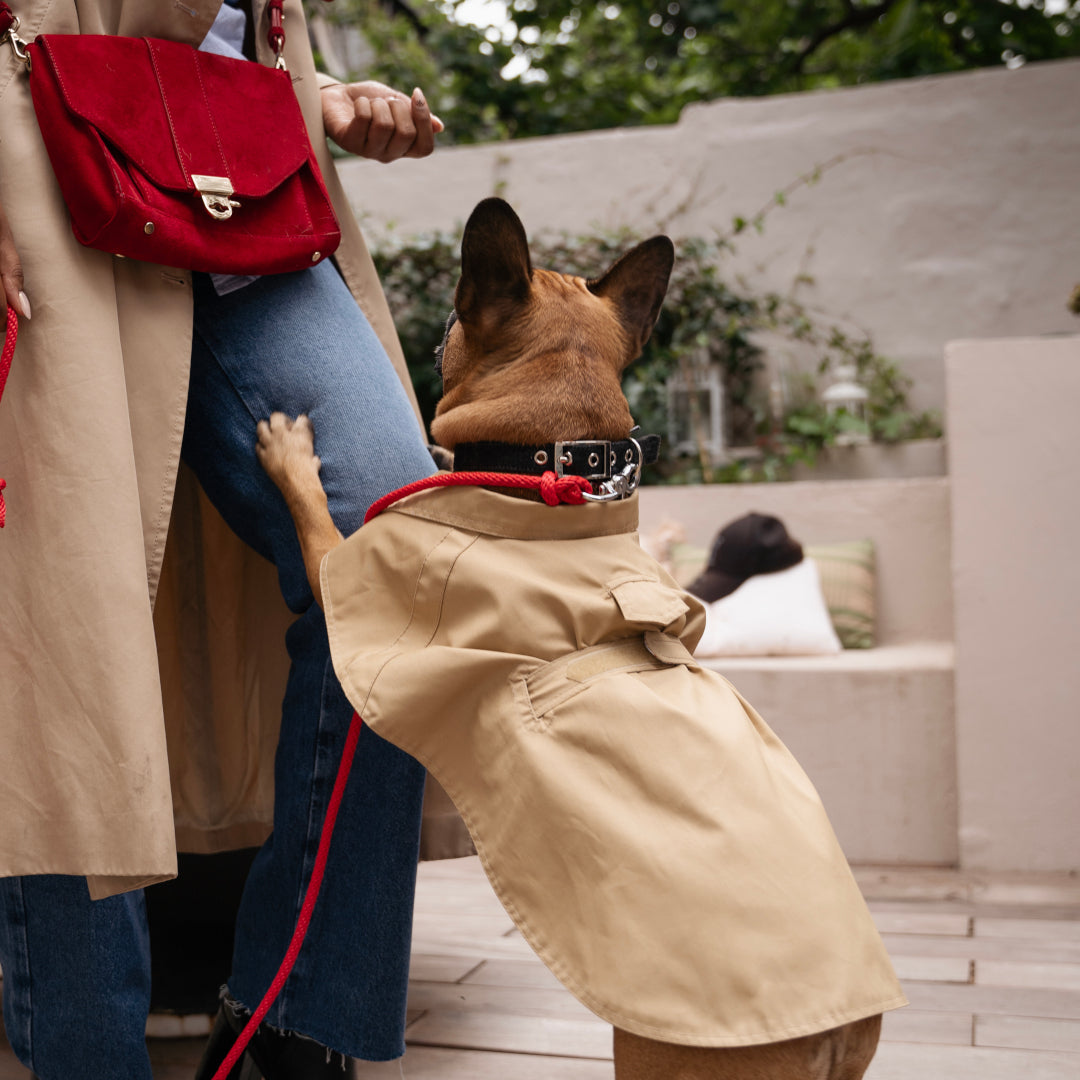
<point x="543" y="691"/>
<point x="647" y="602"/>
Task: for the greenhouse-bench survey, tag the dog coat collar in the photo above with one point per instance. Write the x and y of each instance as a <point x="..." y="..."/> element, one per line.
<point x="594" y="459"/>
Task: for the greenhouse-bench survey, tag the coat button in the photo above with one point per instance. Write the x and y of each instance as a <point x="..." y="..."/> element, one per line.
<point x="148" y="228"/>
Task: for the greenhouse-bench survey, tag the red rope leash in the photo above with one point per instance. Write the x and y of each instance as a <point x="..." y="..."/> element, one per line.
<point x="554" y="489"/>
<point x="308" y="908"/>
<point x="10" y="337"/>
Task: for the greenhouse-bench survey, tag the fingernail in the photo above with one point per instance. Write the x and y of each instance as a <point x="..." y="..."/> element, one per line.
<point x="418" y="96"/>
<point x="24" y="303"/>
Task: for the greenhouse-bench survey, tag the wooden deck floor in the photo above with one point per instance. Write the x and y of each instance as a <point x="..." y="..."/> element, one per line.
<point x="991" y="966"/>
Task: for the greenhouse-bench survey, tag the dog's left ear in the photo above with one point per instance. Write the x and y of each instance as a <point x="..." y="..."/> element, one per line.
<point x="636" y="284"/>
<point x="496" y="271"/>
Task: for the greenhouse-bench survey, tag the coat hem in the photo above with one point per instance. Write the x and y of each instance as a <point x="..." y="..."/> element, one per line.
<point x="102" y="886"/>
<point x="661" y="1034"/>
<point x="611" y="1014"/>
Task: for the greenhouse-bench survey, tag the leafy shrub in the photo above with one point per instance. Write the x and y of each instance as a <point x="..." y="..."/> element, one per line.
<point x="705" y="320"/>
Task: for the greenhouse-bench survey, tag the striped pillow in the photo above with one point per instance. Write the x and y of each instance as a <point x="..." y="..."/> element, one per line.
<point x="847" y="581"/>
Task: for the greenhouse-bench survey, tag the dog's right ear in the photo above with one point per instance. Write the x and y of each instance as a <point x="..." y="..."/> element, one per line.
<point x="496" y="271"/>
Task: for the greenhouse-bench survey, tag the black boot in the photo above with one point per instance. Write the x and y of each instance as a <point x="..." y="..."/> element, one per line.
<point x="278" y="1055"/>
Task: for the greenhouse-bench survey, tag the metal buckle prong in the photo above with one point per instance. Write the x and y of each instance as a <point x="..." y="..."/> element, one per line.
<point x="595" y="453"/>
<point x="215" y="192"/>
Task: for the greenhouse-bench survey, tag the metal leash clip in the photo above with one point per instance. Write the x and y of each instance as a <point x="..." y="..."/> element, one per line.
<point x="18" y="46"/>
<point x="624" y="483"/>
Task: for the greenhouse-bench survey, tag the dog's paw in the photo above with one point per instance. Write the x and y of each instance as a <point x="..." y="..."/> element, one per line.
<point x="286" y="449"/>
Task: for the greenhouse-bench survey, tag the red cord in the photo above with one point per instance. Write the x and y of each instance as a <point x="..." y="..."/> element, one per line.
<point x="308" y="907"/>
<point x="554" y="489"/>
<point x="11" y="335"/>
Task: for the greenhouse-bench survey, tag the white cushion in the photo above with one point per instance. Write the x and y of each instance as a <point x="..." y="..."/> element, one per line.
<point x="781" y="614"/>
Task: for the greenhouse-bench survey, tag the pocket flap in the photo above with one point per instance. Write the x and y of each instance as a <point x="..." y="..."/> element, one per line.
<point x="174" y="111"/>
<point x="648" y="602"/>
<point x="559" y="680"/>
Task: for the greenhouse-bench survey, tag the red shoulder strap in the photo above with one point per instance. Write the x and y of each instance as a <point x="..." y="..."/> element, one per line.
<point x="10" y="337"/>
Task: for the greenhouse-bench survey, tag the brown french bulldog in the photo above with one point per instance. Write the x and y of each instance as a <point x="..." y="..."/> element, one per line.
<point x="532" y="356"/>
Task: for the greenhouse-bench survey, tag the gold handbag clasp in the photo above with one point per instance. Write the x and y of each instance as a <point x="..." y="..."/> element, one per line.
<point x="215" y="192"/>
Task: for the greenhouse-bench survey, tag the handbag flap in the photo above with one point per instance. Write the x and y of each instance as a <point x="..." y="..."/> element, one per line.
<point x="175" y="112"/>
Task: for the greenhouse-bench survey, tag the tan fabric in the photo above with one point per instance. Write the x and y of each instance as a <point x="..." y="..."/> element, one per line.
<point x="650" y="836"/>
<point x="90" y="432"/>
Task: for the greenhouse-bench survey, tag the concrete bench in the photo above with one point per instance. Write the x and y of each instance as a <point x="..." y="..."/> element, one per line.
<point x="874" y="728"/>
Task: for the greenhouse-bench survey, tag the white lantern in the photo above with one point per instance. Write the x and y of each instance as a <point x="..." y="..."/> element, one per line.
<point x="848" y="395"/>
<point x="695" y="401"/>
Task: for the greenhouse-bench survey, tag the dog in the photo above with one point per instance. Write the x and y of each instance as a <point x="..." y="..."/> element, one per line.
<point x="532" y="357"/>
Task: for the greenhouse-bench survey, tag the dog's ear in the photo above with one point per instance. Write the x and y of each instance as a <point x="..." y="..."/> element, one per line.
<point x="496" y="270"/>
<point x="636" y="284"/>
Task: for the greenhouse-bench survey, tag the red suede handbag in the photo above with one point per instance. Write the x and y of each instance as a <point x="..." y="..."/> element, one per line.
<point x="170" y="155"/>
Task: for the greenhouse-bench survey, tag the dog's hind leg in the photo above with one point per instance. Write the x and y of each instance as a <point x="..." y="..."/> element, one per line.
<point x="844" y="1053"/>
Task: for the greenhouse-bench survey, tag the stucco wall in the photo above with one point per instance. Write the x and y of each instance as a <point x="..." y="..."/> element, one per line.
<point x="1016" y="581"/>
<point x="953" y="215"/>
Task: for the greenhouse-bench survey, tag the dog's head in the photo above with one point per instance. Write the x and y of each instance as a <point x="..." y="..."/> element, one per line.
<point x="531" y="355"/>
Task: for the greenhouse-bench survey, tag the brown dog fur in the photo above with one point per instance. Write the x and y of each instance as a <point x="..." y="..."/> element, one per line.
<point x="535" y="356"/>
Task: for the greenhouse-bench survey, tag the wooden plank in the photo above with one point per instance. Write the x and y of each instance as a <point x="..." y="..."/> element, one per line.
<point x="1004" y="1001"/>
<point x="513" y="973"/>
<point x="918" y="1026"/>
<point x="504" y="1032"/>
<point x="480" y="1000"/>
<point x="1029" y="1033"/>
<point x="1017" y="974"/>
<point x="984" y="948"/>
<point x="431" y="1063"/>
<point x="913" y="1061"/>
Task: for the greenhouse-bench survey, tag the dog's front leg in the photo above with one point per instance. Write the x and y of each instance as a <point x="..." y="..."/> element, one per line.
<point x="286" y="450"/>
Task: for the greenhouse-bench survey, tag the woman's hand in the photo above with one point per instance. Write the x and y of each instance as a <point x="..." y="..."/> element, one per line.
<point x="375" y="121"/>
<point x="11" y="270"/>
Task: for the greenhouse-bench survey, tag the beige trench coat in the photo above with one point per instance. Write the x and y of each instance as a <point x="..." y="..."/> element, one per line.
<point x="90" y="432"/>
<point x="650" y="836"/>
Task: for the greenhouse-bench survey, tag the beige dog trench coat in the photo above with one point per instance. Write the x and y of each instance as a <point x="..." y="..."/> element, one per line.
<point x="90" y="431"/>
<point x="650" y="836"/>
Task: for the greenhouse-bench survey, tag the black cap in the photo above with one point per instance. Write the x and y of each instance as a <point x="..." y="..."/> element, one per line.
<point x="754" y="544"/>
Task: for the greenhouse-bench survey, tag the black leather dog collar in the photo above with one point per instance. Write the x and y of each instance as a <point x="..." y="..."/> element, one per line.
<point x="594" y="459"/>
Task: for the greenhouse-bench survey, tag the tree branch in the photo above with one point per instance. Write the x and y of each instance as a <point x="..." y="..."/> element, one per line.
<point x="855" y="18"/>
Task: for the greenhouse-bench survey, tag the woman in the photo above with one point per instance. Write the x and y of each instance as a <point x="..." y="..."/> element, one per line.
<point x="122" y="369"/>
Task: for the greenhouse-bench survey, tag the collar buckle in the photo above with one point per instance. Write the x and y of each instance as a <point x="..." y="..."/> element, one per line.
<point x="625" y="482"/>
<point x="590" y="458"/>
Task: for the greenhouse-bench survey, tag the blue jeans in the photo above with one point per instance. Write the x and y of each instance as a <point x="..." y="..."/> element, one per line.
<point x="76" y="972"/>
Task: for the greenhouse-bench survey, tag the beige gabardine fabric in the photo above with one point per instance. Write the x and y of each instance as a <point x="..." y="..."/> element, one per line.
<point x="650" y="836"/>
<point x="90" y="432"/>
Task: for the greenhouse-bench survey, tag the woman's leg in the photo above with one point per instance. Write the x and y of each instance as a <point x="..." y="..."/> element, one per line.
<point x="298" y="343"/>
<point x="76" y="978"/>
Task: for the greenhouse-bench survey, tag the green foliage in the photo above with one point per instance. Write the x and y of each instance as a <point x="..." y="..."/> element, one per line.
<point x="705" y="320"/>
<point x="572" y="65"/>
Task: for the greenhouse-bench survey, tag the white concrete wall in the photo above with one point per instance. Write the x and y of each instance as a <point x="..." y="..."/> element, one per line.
<point x="954" y="215"/>
<point x="1014" y="451"/>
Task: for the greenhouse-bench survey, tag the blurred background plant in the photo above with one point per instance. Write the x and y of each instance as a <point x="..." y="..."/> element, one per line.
<point x="509" y="68"/>
<point x="708" y="324"/>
